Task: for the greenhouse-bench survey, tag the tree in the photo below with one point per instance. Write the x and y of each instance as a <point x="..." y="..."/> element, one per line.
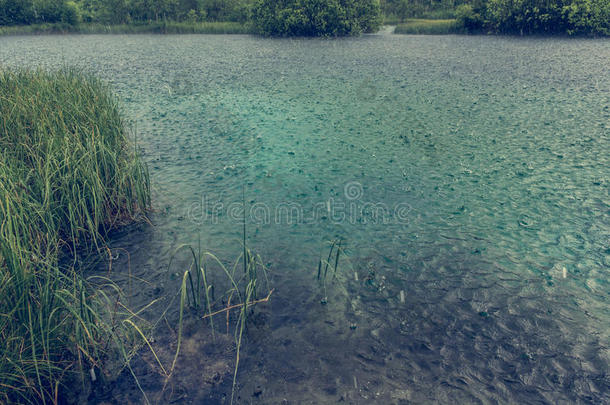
<point x="23" y="12"/>
<point x="588" y="17"/>
<point x="525" y="16"/>
<point x="316" y="17"/>
<point x="469" y="18"/>
<point x="14" y="12"/>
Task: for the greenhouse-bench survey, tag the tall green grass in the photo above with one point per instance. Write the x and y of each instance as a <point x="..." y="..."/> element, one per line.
<point x="167" y="27"/>
<point x="429" y="27"/>
<point x="68" y="174"/>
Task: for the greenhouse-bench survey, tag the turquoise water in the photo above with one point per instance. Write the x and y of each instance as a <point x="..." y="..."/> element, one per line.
<point x="470" y="173"/>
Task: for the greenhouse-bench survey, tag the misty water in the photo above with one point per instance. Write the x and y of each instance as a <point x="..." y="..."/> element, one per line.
<point x="467" y="178"/>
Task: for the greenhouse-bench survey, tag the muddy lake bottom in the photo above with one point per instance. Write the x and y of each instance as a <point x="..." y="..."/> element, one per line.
<point x="467" y="179"/>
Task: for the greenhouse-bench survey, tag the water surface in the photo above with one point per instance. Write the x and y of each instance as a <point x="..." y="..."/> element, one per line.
<point x="471" y="173"/>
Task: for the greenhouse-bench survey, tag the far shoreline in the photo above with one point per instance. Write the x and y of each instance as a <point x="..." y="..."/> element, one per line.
<point x="146" y="28"/>
<point x="414" y="26"/>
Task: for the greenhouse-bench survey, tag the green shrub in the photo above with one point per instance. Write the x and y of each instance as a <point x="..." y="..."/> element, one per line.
<point x="316" y="17"/>
<point x="15" y="12"/>
<point x="22" y="12"/>
<point x="525" y="16"/>
<point x="466" y="17"/>
<point x="588" y="17"/>
<point x="153" y="27"/>
<point x="192" y="16"/>
<point x="71" y="13"/>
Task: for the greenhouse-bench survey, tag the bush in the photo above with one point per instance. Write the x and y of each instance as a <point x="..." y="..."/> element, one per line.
<point x="588" y="17"/>
<point x="316" y="17"/>
<point x="192" y="16"/>
<point x="467" y="18"/>
<point x="71" y="13"/>
<point x="226" y="10"/>
<point x="525" y="16"/>
<point x="24" y="12"/>
<point x="574" y="17"/>
<point x="16" y="12"/>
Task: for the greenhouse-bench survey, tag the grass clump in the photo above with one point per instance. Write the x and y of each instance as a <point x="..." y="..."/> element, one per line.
<point x="240" y="295"/>
<point x="429" y="27"/>
<point x="162" y="27"/>
<point x="332" y="263"/>
<point x="67" y="176"/>
<point x="225" y="27"/>
<point x="199" y="294"/>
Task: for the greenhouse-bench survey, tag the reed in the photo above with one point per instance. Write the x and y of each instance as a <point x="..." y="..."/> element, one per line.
<point x="337" y="250"/>
<point x="429" y="27"/>
<point x="68" y="174"/>
<point x="240" y="296"/>
<point x="162" y="27"/>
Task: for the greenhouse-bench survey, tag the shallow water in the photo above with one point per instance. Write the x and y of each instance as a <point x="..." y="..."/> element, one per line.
<point x="471" y="173"/>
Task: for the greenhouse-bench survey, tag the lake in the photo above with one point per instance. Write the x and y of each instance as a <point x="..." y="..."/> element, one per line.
<point x="467" y="178"/>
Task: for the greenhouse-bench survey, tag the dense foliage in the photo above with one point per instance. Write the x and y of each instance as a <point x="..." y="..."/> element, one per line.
<point x="19" y="12"/>
<point x="324" y="17"/>
<point x="400" y="10"/>
<point x="126" y="11"/>
<point x="14" y="12"/>
<point x="572" y="17"/>
<point x="316" y="17"/>
<point x="522" y="17"/>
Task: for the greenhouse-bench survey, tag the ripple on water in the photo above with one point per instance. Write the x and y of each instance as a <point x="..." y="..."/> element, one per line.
<point x="495" y="149"/>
